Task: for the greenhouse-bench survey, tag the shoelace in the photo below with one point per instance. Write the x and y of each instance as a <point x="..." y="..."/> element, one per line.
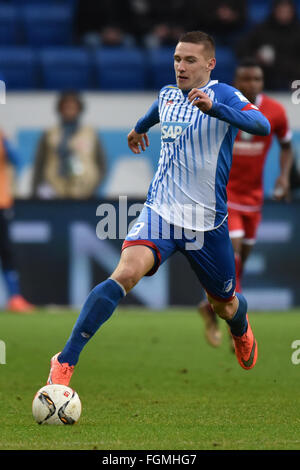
<point x="243" y="344"/>
<point x="66" y="368"/>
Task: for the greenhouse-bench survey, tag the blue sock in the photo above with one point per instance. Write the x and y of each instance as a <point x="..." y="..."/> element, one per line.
<point x="238" y="324"/>
<point x="11" y="278"/>
<point x="98" y="307"/>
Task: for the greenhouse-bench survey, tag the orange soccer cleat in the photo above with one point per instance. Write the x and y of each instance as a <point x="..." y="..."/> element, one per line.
<point x="246" y="348"/>
<point x="59" y="373"/>
<point x="213" y="333"/>
<point x="17" y="304"/>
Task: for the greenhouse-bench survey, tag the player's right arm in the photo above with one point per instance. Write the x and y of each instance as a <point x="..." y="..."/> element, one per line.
<point x="136" y="141"/>
<point x="137" y="138"/>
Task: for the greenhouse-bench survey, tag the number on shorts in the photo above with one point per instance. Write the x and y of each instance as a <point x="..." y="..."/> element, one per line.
<point x="136" y="228"/>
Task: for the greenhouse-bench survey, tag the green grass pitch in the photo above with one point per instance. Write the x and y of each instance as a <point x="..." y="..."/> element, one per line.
<point x="149" y="380"/>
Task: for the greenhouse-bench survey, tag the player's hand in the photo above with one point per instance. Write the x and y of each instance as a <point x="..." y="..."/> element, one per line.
<point x="200" y="99"/>
<point x="281" y="190"/>
<point x="136" y="141"/>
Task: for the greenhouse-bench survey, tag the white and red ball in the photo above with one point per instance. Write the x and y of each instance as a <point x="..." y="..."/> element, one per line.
<point x="56" y="404"/>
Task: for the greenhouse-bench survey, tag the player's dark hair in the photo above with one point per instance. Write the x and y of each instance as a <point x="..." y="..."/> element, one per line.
<point x="67" y="95"/>
<point x="200" y="37"/>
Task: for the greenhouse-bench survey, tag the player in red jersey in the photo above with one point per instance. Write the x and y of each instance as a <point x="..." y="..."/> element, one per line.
<point x="245" y="186"/>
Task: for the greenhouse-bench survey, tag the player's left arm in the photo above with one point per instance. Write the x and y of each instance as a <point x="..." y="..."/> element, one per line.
<point x="236" y="110"/>
<point x="137" y="138"/>
<point x="284" y="135"/>
<point x="282" y="184"/>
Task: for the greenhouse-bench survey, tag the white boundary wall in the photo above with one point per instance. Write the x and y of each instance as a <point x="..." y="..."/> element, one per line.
<point x="103" y="110"/>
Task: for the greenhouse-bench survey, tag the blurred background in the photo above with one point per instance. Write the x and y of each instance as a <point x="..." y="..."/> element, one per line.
<point x="84" y="71"/>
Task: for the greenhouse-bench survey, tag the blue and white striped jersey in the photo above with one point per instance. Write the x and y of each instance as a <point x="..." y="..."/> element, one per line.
<point x="189" y="186"/>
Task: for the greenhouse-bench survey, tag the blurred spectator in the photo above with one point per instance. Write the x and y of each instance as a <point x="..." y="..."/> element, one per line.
<point x="163" y="35"/>
<point x="8" y="157"/>
<point x="112" y="36"/>
<point x="104" y="22"/>
<point x="159" y="23"/>
<point x="151" y="22"/>
<point x="162" y="22"/>
<point x="141" y="18"/>
<point x="275" y="44"/>
<point x="220" y="17"/>
<point x="70" y="161"/>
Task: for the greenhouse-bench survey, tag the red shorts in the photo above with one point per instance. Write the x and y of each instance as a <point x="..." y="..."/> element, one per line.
<point x="243" y="224"/>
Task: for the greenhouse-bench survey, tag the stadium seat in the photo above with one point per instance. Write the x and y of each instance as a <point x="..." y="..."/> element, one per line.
<point x="161" y="65"/>
<point x="48" y="25"/>
<point x="226" y="63"/>
<point x="22" y="3"/>
<point x="18" y="67"/>
<point x="9" y="25"/>
<point x="65" y="68"/>
<point x="258" y="12"/>
<point x="120" y="68"/>
<point x="42" y="2"/>
<point x="37" y="3"/>
<point x="257" y="2"/>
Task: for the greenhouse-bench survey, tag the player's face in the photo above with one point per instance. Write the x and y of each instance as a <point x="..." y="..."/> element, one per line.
<point x="250" y="81"/>
<point x="192" y="65"/>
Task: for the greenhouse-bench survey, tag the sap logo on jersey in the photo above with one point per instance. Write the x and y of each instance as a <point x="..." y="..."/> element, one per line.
<point x="170" y="131"/>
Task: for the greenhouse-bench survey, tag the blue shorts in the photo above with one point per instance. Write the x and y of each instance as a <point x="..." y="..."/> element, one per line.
<point x="210" y="253"/>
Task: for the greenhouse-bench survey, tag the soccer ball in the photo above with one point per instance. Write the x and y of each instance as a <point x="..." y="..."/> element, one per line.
<point x="56" y="404"/>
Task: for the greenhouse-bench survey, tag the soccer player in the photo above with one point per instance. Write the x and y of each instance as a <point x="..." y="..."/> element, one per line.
<point x="186" y="206"/>
<point x="16" y="302"/>
<point x="245" y="186"/>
